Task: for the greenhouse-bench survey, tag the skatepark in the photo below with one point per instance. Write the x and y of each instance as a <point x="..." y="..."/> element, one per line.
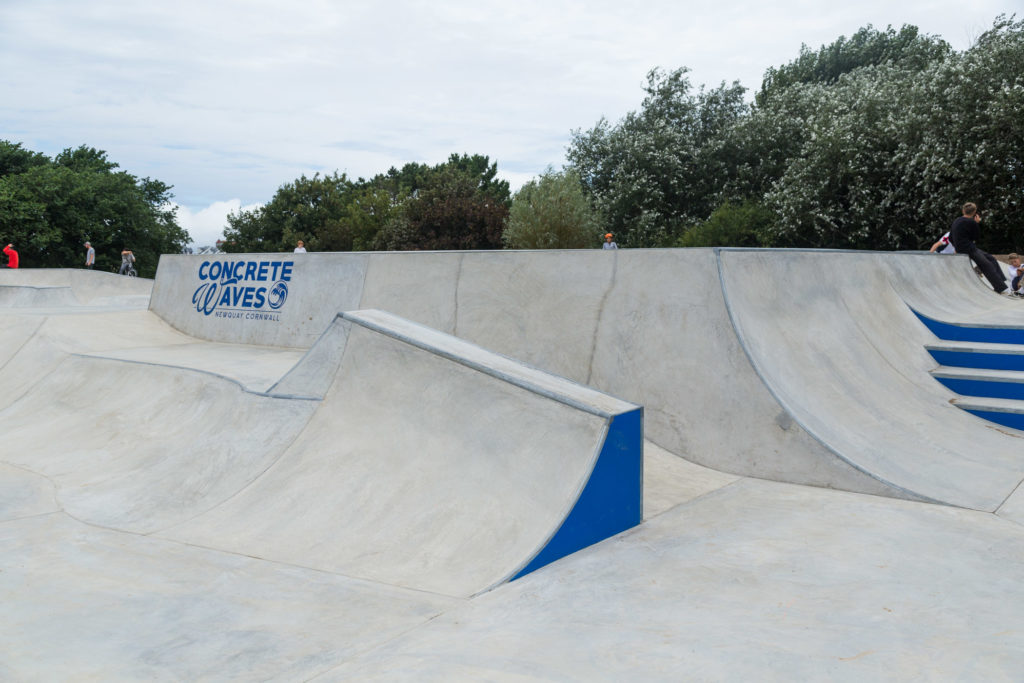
<point x="706" y="464"/>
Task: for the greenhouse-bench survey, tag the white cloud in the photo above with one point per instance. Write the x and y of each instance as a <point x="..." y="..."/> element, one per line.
<point x="206" y="226"/>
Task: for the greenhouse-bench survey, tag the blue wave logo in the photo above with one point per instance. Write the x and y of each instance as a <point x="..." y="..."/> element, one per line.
<point x="278" y="295"/>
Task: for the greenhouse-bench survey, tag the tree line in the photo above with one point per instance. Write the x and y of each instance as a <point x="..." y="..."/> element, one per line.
<point x="870" y="142"/>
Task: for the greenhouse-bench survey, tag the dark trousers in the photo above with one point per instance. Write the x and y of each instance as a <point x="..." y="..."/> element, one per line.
<point x="988" y="265"/>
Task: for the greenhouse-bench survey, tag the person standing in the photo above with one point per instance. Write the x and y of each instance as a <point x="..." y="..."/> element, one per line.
<point x="608" y="243"/>
<point x="12" y="256"/>
<point x="962" y="236"/>
<point x="127" y="259"/>
<point x="300" y="247"/>
<point x="90" y="255"/>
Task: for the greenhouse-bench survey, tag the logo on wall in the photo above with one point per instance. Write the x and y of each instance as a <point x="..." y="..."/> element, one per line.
<point x="250" y="290"/>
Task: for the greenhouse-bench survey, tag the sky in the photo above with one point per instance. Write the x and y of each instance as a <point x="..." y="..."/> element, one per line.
<point x="227" y="100"/>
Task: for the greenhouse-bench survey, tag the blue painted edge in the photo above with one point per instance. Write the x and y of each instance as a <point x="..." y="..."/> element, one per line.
<point x="1014" y="420"/>
<point x="990" y="335"/>
<point x="611" y="500"/>
<point x="980" y="387"/>
<point x="981" y="361"/>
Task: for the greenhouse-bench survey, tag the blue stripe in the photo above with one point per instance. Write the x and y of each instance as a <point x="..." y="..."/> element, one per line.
<point x="612" y="499"/>
<point x="989" y="335"/>
<point x="984" y="361"/>
<point x="1014" y="420"/>
<point x="986" y="388"/>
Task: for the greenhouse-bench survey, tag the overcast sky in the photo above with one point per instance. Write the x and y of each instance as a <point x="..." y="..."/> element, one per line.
<point x="226" y="100"/>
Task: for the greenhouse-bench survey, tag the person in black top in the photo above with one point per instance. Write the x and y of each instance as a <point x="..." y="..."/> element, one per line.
<point x="962" y="236"/>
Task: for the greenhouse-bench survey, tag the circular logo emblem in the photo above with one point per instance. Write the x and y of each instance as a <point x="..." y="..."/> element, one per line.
<point x="277" y="295"/>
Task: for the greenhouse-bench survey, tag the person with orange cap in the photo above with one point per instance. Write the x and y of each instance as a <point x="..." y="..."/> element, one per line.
<point x="12" y="256"/>
<point x="608" y="243"/>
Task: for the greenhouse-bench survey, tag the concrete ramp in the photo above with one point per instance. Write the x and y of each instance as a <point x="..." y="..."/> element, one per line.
<point x="833" y="337"/>
<point x="433" y="464"/>
<point x="65" y="287"/>
<point x="388" y="451"/>
<point x="138" y="447"/>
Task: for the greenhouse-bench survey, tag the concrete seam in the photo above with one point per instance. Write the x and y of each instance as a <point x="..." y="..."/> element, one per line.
<point x="455" y="297"/>
<point x="25" y="343"/>
<point x="366" y="275"/>
<point x="232" y="380"/>
<point x="54" y="491"/>
<point x="38" y="380"/>
<point x="600" y="315"/>
<point x="1008" y="497"/>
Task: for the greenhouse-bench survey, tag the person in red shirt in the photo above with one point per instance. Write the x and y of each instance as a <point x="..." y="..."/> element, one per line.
<point x="12" y="256"/>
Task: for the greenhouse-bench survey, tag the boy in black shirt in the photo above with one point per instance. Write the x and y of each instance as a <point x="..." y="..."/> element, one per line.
<point x="962" y="235"/>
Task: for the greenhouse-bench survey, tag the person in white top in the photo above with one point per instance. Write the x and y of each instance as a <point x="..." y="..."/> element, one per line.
<point x="608" y="244"/>
<point x="300" y="248"/>
<point x="1014" y="271"/>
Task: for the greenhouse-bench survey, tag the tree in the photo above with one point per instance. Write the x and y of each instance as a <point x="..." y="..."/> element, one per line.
<point x="329" y="213"/>
<point x="49" y="208"/>
<point x="906" y="49"/>
<point x="552" y="212"/>
<point x="15" y="159"/>
<point x="459" y="204"/>
<point x="731" y="225"/>
<point x="655" y="172"/>
<point x="456" y="209"/>
<point x="890" y="153"/>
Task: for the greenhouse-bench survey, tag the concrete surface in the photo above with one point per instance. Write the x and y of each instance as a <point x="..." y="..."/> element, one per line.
<point x="757" y="581"/>
<point x="298" y="495"/>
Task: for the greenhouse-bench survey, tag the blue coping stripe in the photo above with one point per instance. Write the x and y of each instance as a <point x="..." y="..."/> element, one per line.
<point x="612" y="499"/>
<point x="984" y="361"/>
<point x="982" y="387"/>
<point x="951" y="332"/>
<point x="1014" y="420"/>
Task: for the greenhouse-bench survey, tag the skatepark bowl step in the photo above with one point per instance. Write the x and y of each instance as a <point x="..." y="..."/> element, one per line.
<point x="983" y="363"/>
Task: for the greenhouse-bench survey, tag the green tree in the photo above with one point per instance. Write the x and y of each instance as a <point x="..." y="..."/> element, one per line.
<point x="890" y="153"/>
<point x="906" y="49"/>
<point x="456" y="209"/>
<point x="731" y="225"/>
<point x="453" y="205"/>
<point x="329" y="213"/>
<point x="658" y="170"/>
<point x="15" y="159"/>
<point x="552" y="212"/>
<point x="49" y="208"/>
